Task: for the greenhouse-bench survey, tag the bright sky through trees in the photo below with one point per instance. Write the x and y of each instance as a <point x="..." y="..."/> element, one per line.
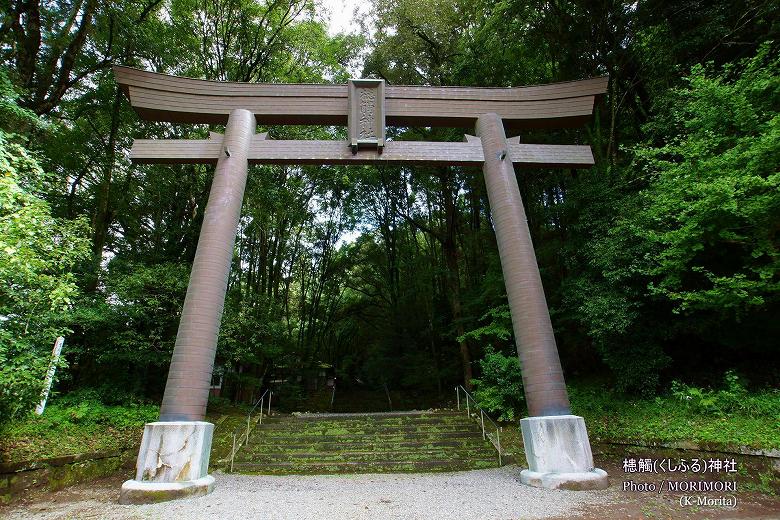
<point x="341" y="15"/>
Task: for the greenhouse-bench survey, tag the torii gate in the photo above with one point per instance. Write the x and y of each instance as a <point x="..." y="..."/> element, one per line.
<point x="174" y="455"/>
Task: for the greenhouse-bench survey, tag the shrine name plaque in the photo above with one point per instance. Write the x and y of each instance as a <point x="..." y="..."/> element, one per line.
<point x="366" y="118"/>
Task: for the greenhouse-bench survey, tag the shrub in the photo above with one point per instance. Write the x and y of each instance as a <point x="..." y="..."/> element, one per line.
<point x="732" y="398"/>
<point x="500" y="389"/>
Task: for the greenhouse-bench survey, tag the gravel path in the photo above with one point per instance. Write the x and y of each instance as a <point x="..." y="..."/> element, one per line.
<point x="484" y="494"/>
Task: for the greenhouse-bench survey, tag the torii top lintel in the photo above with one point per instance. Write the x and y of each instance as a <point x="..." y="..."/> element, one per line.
<point x="160" y="97"/>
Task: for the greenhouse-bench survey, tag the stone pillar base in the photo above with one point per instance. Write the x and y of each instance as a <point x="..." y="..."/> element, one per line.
<point x="134" y="492"/>
<point x="559" y="455"/>
<point x="595" y="479"/>
<point x="172" y="463"/>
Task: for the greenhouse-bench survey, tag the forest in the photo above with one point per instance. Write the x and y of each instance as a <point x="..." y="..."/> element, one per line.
<point x="660" y="264"/>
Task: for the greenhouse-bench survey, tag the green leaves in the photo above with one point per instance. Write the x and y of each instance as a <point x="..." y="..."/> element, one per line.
<point x="14" y="118"/>
<point x="251" y="41"/>
<point x="684" y="258"/>
<point x="500" y="389"/>
<point x="500" y="325"/>
<point x="714" y="200"/>
<point x="37" y="252"/>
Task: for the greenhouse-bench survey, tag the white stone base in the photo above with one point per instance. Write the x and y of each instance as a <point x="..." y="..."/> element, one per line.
<point x="172" y="463"/>
<point x="595" y="479"/>
<point x="559" y="455"/>
<point x="134" y="492"/>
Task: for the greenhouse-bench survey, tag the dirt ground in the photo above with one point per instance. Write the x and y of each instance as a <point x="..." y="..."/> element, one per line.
<point x="98" y="500"/>
<point x="666" y="505"/>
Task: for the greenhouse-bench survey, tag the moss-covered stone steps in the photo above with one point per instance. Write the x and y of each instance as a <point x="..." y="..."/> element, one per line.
<point x="435" y="454"/>
<point x="421" y="418"/>
<point x="294" y="438"/>
<point x="451" y="422"/>
<point x="366" y="432"/>
<point x="369" y="425"/>
<point x="366" y="443"/>
<point x="387" y="466"/>
<point x="266" y="446"/>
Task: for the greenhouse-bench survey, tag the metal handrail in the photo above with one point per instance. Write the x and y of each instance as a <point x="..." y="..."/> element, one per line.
<point x="236" y="437"/>
<point x="497" y="443"/>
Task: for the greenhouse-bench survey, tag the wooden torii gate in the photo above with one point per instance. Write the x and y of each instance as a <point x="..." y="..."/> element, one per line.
<point x="174" y="454"/>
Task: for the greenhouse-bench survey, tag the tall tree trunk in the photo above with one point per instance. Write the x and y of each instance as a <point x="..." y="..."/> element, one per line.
<point x="103" y="213"/>
<point x="450" y="250"/>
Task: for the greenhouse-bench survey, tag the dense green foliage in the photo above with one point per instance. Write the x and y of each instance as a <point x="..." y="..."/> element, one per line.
<point x="709" y="211"/>
<point x="659" y="264"/>
<point x="499" y="390"/>
<point x="38" y="252"/>
<point x="698" y="240"/>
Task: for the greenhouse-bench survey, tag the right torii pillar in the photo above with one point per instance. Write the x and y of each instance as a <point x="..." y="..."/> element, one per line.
<point x="556" y="442"/>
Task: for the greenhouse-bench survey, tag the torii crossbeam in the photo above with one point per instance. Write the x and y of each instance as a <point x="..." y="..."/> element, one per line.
<point x="556" y="442"/>
<point x="268" y="151"/>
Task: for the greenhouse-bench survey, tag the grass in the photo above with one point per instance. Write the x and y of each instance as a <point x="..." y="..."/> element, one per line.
<point x="72" y="429"/>
<point x="718" y="420"/>
<point x="753" y="422"/>
<point x="93" y="427"/>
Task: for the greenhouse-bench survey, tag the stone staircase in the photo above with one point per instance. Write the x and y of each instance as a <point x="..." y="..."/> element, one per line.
<point x="366" y="443"/>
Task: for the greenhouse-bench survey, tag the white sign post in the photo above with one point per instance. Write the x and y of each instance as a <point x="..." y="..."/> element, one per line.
<point x="55" y="357"/>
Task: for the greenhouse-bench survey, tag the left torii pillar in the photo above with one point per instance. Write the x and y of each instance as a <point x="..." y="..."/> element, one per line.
<point x="174" y="457"/>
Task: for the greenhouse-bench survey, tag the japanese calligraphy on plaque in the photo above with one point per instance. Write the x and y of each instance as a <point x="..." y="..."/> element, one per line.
<point x="366" y="113"/>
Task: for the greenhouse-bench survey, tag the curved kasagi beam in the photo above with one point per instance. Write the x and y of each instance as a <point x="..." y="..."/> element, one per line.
<point x="160" y="97"/>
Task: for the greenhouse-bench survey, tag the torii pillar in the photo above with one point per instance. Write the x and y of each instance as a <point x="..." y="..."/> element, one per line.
<point x="173" y="461"/>
<point x="556" y="442"/>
